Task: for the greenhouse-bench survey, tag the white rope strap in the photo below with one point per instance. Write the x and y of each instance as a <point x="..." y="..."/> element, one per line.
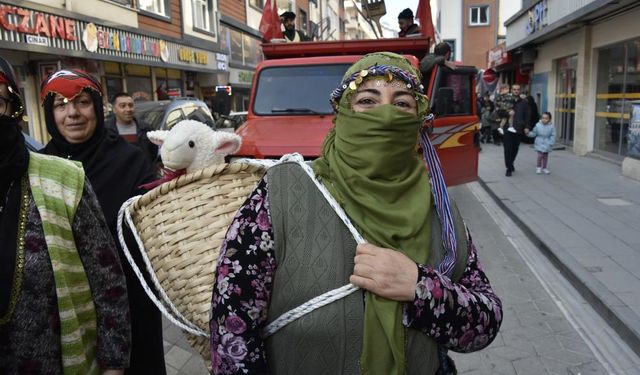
<point x="180" y="321"/>
<point x="332" y="295"/>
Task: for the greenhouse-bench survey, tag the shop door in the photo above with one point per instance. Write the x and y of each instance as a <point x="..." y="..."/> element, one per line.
<point x="566" y="99"/>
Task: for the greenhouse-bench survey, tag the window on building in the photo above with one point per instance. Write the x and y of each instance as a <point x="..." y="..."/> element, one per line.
<point x="479" y="15"/>
<point x="158" y="7"/>
<point x="452" y="44"/>
<point x="126" y="3"/>
<point x="304" y="22"/>
<point x="314" y="31"/>
<point x="203" y="14"/>
<point x="257" y="3"/>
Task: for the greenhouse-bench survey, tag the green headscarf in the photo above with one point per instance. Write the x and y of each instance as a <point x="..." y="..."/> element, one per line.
<point x="370" y="165"/>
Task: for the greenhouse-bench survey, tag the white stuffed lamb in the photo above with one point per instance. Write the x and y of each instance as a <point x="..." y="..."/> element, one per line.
<point x="192" y="145"/>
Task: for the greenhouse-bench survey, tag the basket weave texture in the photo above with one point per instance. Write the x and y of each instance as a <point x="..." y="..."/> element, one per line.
<point x="182" y="224"/>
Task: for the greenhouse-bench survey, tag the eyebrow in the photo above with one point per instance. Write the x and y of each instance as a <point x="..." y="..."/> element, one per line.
<point x="378" y="93"/>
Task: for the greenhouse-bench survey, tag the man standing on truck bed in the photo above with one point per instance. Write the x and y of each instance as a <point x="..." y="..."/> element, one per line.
<point x="288" y="19"/>
<point x="405" y="22"/>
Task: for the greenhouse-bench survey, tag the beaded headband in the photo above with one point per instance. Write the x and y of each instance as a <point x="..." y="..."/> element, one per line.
<point x="387" y="71"/>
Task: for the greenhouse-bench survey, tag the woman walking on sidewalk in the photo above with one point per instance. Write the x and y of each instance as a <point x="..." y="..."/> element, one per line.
<point x="545" y="134"/>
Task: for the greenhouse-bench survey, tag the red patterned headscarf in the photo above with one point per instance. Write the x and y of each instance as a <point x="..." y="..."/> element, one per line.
<point x="68" y="83"/>
<point x="3" y="79"/>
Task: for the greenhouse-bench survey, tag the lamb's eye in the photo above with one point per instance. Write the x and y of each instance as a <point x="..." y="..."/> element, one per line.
<point x="191" y="144"/>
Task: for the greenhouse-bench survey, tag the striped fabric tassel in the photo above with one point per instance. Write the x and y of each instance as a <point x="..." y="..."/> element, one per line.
<point x="443" y="205"/>
<point x="56" y="187"/>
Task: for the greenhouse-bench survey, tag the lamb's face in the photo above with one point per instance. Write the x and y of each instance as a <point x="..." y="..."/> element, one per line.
<point x="183" y="144"/>
<point x="192" y="145"/>
<point x="179" y="150"/>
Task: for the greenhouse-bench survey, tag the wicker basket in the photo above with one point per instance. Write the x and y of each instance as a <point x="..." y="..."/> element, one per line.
<point x="182" y="224"/>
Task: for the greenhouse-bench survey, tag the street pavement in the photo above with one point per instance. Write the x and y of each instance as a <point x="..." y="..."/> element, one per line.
<point x="536" y="336"/>
<point x="539" y="334"/>
<point x="585" y="216"/>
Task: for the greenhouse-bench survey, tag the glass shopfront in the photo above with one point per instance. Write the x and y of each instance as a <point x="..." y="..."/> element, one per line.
<point x="139" y="82"/>
<point x="169" y="82"/>
<point x="617" y="87"/>
<point x="565" y="115"/>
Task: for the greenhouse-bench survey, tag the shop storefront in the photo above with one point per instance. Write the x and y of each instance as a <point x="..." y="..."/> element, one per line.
<point x="565" y="98"/>
<point x="500" y="66"/>
<point x="593" y="72"/>
<point x="618" y="86"/>
<point x="149" y="67"/>
<point x="242" y="45"/>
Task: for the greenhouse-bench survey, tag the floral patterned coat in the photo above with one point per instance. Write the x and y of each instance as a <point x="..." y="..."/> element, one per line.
<point x="463" y="316"/>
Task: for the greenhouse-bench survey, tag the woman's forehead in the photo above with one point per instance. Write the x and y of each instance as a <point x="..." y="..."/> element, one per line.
<point x="80" y="95"/>
<point x="381" y="83"/>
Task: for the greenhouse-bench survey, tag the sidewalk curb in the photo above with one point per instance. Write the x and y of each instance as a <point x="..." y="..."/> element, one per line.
<point x="613" y="310"/>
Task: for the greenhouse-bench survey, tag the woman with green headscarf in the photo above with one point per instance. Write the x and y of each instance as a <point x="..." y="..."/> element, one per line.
<point x="422" y="288"/>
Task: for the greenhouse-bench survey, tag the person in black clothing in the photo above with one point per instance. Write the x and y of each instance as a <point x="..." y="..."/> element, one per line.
<point x="288" y="20"/>
<point x="405" y="22"/>
<point x="534" y="117"/>
<point x="515" y="132"/>
<point x="72" y="102"/>
<point x="129" y="127"/>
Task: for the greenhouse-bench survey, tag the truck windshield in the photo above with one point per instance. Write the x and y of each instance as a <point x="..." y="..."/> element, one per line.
<point x="297" y="89"/>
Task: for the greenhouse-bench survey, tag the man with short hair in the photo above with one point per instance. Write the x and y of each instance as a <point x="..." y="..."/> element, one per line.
<point x="130" y="128"/>
<point x="441" y="56"/>
<point x="288" y="20"/>
<point x="515" y="132"/>
<point x="405" y="22"/>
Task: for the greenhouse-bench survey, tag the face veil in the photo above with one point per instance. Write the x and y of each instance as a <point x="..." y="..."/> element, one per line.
<point x="370" y="165"/>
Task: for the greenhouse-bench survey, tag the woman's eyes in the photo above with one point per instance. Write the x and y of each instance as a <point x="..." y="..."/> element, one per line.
<point x="402" y="104"/>
<point x="398" y="103"/>
<point x="365" y="101"/>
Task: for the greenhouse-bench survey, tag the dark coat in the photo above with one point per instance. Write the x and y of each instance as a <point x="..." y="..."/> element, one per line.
<point x="413" y="29"/>
<point x="116" y="169"/>
<point x="142" y="142"/>
<point x="522" y="115"/>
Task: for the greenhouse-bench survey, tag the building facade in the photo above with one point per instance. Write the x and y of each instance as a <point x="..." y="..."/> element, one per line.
<point x="470" y="27"/>
<point x="584" y="56"/>
<point x="143" y="48"/>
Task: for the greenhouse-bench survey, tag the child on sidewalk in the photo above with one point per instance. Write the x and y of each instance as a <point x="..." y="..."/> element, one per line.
<point x="545" y="134"/>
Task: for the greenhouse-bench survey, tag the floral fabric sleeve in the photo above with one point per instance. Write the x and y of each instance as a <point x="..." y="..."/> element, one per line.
<point x="244" y="278"/>
<point x="463" y="316"/>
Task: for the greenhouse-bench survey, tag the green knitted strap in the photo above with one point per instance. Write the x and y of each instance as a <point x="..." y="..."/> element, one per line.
<point x="56" y="186"/>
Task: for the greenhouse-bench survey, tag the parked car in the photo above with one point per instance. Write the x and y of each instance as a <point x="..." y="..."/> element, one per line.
<point x="164" y="114"/>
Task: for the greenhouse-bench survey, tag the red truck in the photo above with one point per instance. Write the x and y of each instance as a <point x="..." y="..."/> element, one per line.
<point x="289" y="108"/>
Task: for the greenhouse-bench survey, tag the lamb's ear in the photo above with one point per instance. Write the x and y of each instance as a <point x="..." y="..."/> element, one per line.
<point x="228" y="143"/>
<point x="157" y="137"/>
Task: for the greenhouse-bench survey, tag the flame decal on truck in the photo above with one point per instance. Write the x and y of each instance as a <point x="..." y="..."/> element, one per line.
<point x="449" y="136"/>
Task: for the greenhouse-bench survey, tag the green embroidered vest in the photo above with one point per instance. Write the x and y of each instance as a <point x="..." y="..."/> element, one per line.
<point x="314" y="251"/>
<point x="56" y="186"/>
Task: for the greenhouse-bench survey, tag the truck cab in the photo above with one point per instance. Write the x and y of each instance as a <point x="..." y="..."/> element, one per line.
<point x="289" y="109"/>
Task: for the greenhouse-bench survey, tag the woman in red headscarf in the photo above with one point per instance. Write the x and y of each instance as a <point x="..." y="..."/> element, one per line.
<point x="72" y="101"/>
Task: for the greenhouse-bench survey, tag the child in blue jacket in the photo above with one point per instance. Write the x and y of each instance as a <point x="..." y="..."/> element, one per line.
<point x="545" y="134"/>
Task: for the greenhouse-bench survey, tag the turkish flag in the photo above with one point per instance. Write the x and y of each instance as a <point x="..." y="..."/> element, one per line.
<point x="270" y="22"/>
<point x="423" y="14"/>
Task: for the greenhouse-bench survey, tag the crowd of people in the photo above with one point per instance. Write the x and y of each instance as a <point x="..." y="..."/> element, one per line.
<point x="69" y="303"/>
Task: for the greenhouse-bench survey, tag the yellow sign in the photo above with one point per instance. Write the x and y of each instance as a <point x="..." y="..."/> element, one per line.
<point x="190" y="56"/>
